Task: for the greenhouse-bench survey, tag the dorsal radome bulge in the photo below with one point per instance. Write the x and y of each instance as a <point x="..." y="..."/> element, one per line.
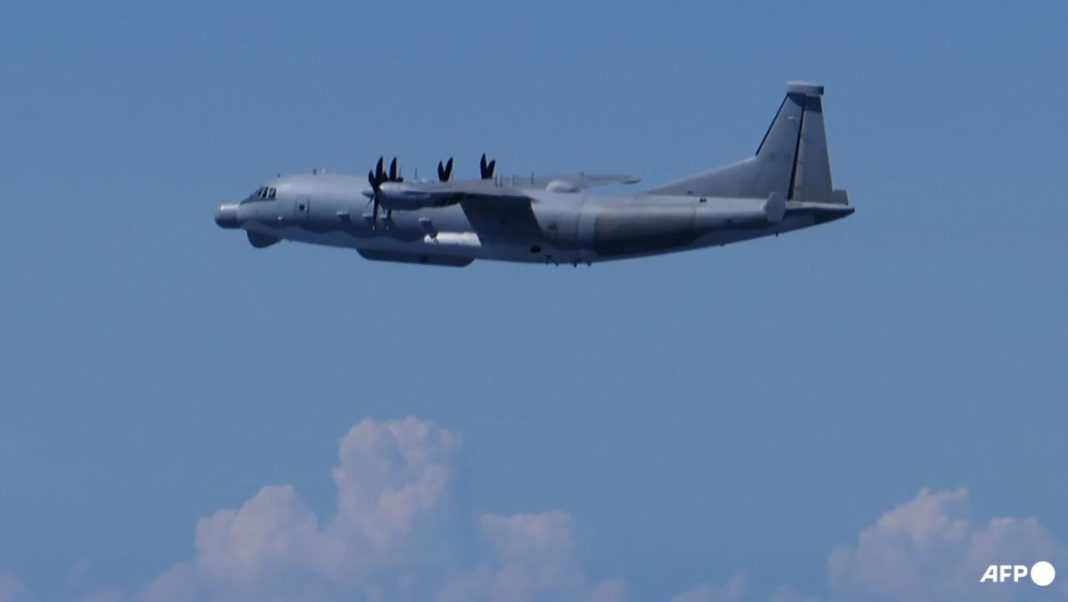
<point x="561" y="186"/>
<point x="806" y="88"/>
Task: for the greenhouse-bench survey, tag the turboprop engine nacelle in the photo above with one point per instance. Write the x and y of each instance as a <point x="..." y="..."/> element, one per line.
<point x="401" y="197"/>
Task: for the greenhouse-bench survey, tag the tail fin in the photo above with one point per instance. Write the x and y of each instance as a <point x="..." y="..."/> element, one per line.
<point x="792" y="159"/>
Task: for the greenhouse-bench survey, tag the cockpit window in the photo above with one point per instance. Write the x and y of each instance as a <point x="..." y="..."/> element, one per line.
<point x="264" y="193"/>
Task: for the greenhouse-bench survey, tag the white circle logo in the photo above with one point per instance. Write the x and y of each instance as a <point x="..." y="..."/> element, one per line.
<point x="1043" y="573"/>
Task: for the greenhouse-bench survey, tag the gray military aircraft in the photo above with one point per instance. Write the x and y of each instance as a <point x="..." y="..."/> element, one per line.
<point x="785" y="186"/>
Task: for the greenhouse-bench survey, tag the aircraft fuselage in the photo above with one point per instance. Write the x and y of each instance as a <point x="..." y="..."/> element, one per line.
<point x="554" y="228"/>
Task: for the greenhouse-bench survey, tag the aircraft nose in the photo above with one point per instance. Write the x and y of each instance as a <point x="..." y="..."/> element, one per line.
<point x="226" y="216"/>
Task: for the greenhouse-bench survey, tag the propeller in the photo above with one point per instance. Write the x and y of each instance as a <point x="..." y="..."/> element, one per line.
<point x="378" y="176"/>
<point x="445" y="171"/>
<point x="487" y="169"/>
<point x="376" y="186"/>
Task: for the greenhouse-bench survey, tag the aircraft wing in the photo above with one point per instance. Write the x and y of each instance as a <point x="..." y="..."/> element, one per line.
<point x="509" y="185"/>
<point x="416" y="194"/>
<point x="413" y="195"/>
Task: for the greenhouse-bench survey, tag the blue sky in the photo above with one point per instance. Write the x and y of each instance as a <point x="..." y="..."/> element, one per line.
<point x="739" y="409"/>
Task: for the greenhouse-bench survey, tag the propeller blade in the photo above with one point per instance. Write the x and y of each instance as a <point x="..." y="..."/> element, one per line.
<point x="393" y="170"/>
<point x="441" y="172"/>
<point x="448" y="170"/>
<point x="486" y="168"/>
<point x="380" y="170"/>
<point x="376" y="184"/>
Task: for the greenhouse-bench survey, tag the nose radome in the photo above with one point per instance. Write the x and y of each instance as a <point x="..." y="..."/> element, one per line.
<point x="226" y="216"/>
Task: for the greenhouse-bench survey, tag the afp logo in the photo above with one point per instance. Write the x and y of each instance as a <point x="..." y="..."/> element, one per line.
<point x="1042" y="573"/>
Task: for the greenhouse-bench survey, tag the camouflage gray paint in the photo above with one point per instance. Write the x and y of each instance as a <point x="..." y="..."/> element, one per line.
<point x="785" y="186"/>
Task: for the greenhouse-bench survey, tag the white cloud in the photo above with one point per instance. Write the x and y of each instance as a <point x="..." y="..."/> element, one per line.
<point x="385" y="541"/>
<point x="391" y="475"/>
<point x="397" y="536"/>
<point x="930" y="548"/>
<point x="272" y="531"/>
<point x="529" y="557"/>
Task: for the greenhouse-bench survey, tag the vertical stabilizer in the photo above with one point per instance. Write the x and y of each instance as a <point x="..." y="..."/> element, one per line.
<point x="792" y="159"/>
<point x="811" y="176"/>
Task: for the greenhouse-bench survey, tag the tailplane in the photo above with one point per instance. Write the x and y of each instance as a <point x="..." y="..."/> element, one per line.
<point x="792" y="159"/>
